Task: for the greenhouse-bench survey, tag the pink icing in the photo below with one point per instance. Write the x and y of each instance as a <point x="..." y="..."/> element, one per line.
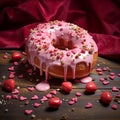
<point x="44" y="42"/>
<point x="42" y="86"/>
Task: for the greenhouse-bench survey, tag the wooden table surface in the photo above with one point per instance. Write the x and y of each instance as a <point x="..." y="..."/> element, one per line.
<point x="13" y="109"/>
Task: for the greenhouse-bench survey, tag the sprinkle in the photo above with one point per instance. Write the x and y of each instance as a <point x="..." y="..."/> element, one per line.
<point x="68" y="53"/>
<point x="99" y="70"/>
<point x="117" y="96"/>
<point x="75" y="99"/>
<point x="31" y="88"/>
<point x="11" y="68"/>
<point x="115" y="89"/>
<point x="6" y="110"/>
<point x="20" y="76"/>
<point x="15" y="96"/>
<point x="16" y="91"/>
<point x="35" y="97"/>
<point x="112" y="73"/>
<point x="3" y="77"/>
<point x="44" y="98"/>
<point x="54" y="92"/>
<point x="28" y="112"/>
<point x="88" y="105"/>
<point x="105" y="82"/>
<point x="78" y="94"/>
<point x="8" y="97"/>
<point x="71" y="102"/>
<point x="36" y="104"/>
<point x="105" y="69"/>
<point x="100" y="73"/>
<point x="101" y="79"/>
<point x="11" y="76"/>
<point x="112" y="77"/>
<point x="119" y="75"/>
<point x="49" y="96"/>
<point x="22" y="98"/>
<point x="29" y="71"/>
<point x="5" y="56"/>
<point x="16" y="63"/>
<point x="114" y="107"/>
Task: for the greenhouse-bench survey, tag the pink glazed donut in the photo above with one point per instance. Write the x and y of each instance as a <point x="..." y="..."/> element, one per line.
<point x="62" y="50"/>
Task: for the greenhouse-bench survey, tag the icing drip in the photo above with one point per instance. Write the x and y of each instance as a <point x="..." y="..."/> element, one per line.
<point x="60" y="43"/>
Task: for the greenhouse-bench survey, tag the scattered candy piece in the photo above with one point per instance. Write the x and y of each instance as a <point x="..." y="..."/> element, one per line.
<point x="20" y="76"/>
<point x="114" y="106"/>
<point x="106" y="97"/>
<point x="22" y="98"/>
<point x="31" y="88"/>
<point x="44" y="98"/>
<point x="78" y="94"/>
<point x="86" y="79"/>
<point x="16" y="91"/>
<point x="112" y="74"/>
<point x="28" y="112"/>
<point x="98" y="69"/>
<point x="91" y="87"/>
<point x="112" y="77"/>
<point x="105" y="69"/>
<point x="117" y="96"/>
<point x="102" y="79"/>
<point x="5" y="56"/>
<point x="36" y="104"/>
<point x="16" y="63"/>
<point x="119" y="75"/>
<point x="54" y="92"/>
<point x="100" y="73"/>
<point x="55" y="102"/>
<point x="71" y="102"/>
<point x="88" y="105"/>
<point x="35" y="97"/>
<point x="115" y="89"/>
<point x="11" y="76"/>
<point x="8" y="97"/>
<point x="15" y="96"/>
<point x="75" y="99"/>
<point x="11" y="68"/>
<point x="49" y="96"/>
<point x="105" y="82"/>
<point x="66" y="86"/>
<point x="9" y="84"/>
<point x="16" y="56"/>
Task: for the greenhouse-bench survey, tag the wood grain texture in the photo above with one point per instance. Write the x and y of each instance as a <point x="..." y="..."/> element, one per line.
<point x="14" y="109"/>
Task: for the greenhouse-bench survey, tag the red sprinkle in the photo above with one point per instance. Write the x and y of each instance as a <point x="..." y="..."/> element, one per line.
<point x="5" y="56"/>
<point x="16" y="63"/>
<point x="49" y="96"/>
<point x="36" y="104"/>
<point x="115" y="89"/>
<point x="117" y="96"/>
<point x="20" y="76"/>
<point x="88" y="105"/>
<point x="112" y="77"/>
<point x="102" y="79"/>
<point x="112" y="73"/>
<point x="11" y="68"/>
<point x="11" y="76"/>
<point x="71" y="102"/>
<point x="28" y="112"/>
<point x="8" y="97"/>
<point x="78" y="94"/>
<point x="15" y="96"/>
<point x="22" y="98"/>
<point x="105" y="82"/>
<point x="35" y="97"/>
<point x="99" y="70"/>
<point x="54" y="92"/>
<point x="100" y="73"/>
<point x="16" y="91"/>
<point x="119" y="75"/>
<point x="105" y="69"/>
<point x="114" y="106"/>
<point x="31" y="88"/>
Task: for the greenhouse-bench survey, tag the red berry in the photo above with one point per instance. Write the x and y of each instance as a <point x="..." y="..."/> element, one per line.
<point x="9" y="84"/>
<point x="91" y="87"/>
<point x="67" y="87"/>
<point x="55" y="102"/>
<point x="16" y="56"/>
<point x="106" y="97"/>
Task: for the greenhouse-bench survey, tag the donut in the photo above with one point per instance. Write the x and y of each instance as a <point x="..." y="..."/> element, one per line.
<point x="61" y="49"/>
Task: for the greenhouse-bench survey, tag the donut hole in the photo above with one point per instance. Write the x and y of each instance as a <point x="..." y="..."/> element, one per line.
<point x="63" y="44"/>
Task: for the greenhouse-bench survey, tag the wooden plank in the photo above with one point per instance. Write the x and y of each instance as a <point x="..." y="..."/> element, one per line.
<point x="76" y="111"/>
